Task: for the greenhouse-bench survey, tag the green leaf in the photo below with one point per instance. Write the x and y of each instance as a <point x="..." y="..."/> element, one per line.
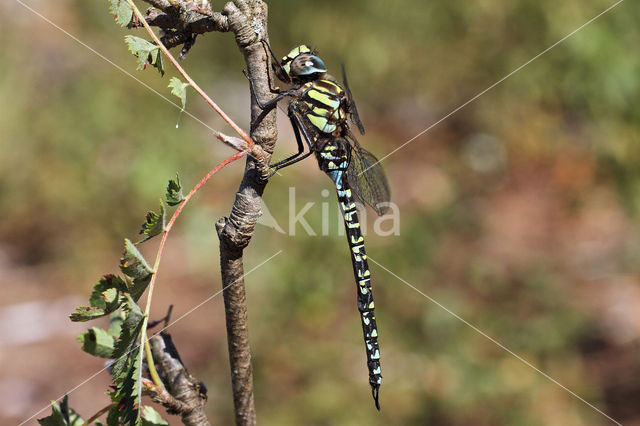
<point x="174" y="192"/>
<point x="134" y="314"/>
<point x="139" y="286"/>
<point x="62" y="415"/>
<point x="86" y="313"/>
<point x="145" y="51"/>
<point x="130" y="331"/>
<point x="127" y="394"/>
<point x="156" y="60"/>
<point x="179" y="89"/>
<point x="115" y="324"/>
<point x="127" y="369"/>
<point x="105" y="298"/>
<point x="121" y="11"/>
<point x="107" y="293"/>
<point x="151" y="417"/>
<point x="136" y="267"/>
<point x="132" y="262"/>
<point x="97" y="342"/>
<point x="154" y="224"/>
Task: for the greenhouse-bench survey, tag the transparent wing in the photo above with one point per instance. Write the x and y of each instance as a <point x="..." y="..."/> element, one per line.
<point x="353" y="111"/>
<point x="367" y="179"/>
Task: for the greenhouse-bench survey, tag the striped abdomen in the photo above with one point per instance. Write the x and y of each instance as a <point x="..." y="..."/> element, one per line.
<point x="333" y="158"/>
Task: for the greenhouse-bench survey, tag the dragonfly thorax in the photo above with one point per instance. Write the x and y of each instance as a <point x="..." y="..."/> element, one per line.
<point x="325" y="106"/>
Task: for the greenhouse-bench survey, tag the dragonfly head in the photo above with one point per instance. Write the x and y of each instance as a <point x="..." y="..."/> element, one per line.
<point x="300" y="65"/>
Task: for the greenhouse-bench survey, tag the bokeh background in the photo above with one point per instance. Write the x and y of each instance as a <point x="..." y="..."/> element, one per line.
<point x="519" y="213"/>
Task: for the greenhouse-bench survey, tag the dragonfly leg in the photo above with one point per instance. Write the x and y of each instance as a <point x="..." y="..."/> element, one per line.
<point x="299" y="131"/>
<point x="277" y="67"/>
<point x="266" y="107"/>
<point x="295" y="123"/>
<point x="271" y="103"/>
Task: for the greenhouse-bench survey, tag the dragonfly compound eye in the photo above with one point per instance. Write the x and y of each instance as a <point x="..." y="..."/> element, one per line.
<point x="306" y="65"/>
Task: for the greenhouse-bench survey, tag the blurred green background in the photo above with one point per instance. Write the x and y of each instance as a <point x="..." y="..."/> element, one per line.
<point x="519" y="213"/>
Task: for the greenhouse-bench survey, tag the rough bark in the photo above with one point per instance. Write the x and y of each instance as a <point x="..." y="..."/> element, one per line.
<point x="236" y="231"/>
<point x="184" y="395"/>
<point x="247" y="19"/>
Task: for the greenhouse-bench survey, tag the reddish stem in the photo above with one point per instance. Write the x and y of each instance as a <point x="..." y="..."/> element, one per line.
<point x="204" y="180"/>
<point x="191" y="193"/>
<point x="193" y="84"/>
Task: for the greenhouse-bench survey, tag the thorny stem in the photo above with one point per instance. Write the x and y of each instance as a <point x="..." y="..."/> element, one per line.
<point x="193" y="84"/>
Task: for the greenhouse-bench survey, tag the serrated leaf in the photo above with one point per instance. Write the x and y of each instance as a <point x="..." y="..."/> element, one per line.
<point x="145" y="51"/>
<point x="105" y="298"/>
<point x="179" y="89"/>
<point x="174" y="192"/>
<point x="121" y="11"/>
<point x="98" y="342"/>
<point x="141" y="48"/>
<point x="151" y="417"/>
<point x="155" y="223"/>
<point x="132" y="263"/>
<point x="115" y="323"/>
<point x="136" y="267"/>
<point x="86" y="313"/>
<point x="156" y="60"/>
<point x="128" y="376"/>
<point x="127" y="340"/>
<point x="134" y="315"/>
<point x="107" y="293"/>
<point x="139" y="286"/>
<point x="127" y="394"/>
<point x="114" y="416"/>
<point x="62" y="415"/>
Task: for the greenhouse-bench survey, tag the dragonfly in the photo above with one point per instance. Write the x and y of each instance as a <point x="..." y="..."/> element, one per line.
<point x="321" y="111"/>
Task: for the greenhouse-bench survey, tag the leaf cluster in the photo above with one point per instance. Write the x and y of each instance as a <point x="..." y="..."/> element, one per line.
<point x="63" y="415"/>
<point x="147" y="52"/>
<point x="123" y="341"/>
<point x="117" y="296"/>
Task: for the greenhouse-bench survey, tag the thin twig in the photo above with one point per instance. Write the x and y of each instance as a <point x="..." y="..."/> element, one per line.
<point x="151" y="365"/>
<point x="187" y="395"/>
<point x="247" y="19"/>
<point x="186" y="76"/>
<point x="174" y="217"/>
<point x="97" y="415"/>
<point x="156" y="265"/>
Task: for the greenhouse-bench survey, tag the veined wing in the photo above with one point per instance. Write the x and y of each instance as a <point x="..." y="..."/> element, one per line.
<point x="366" y="178"/>
<point x="353" y="111"/>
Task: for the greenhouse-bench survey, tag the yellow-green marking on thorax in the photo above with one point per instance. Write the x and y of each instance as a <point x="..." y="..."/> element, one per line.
<point x="322" y="123"/>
